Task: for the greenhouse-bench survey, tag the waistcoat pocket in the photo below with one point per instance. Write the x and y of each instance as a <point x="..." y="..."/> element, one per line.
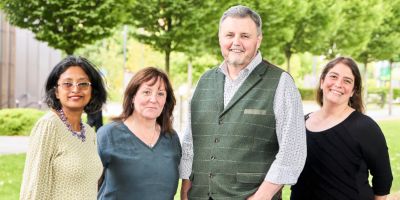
<point x="250" y="177"/>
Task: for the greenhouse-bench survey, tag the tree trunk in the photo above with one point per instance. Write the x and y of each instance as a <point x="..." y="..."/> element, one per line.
<point x="288" y="55"/>
<point x="69" y="51"/>
<point x="390" y="99"/>
<point x="365" y="77"/>
<point x="190" y="74"/>
<point x="167" y="56"/>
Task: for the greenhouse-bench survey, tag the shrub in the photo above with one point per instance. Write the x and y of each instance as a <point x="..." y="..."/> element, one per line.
<point x="307" y="94"/>
<point x="396" y="93"/>
<point x="18" y="121"/>
<point x="377" y="96"/>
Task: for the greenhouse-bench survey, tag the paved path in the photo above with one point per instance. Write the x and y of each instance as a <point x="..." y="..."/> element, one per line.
<point x="13" y="144"/>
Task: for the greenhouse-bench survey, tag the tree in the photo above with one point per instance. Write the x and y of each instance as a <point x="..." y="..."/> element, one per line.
<point x="64" y="24"/>
<point x="279" y="19"/>
<point x="167" y="25"/>
<point x="384" y="40"/>
<point x="311" y="28"/>
<point x="355" y="25"/>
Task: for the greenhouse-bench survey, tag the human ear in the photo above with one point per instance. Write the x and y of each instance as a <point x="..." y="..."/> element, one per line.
<point x="56" y="93"/>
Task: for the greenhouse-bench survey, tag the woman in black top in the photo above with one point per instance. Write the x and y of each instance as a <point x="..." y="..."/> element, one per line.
<point x="344" y="146"/>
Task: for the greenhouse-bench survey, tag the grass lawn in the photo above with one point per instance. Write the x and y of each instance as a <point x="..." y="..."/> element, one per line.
<point x="11" y="166"/>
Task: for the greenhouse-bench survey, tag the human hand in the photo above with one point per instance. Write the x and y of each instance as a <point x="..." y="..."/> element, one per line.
<point x="186" y="185"/>
<point x="266" y="191"/>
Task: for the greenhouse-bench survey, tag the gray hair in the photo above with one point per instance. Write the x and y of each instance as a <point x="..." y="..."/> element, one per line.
<point x="242" y="12"/>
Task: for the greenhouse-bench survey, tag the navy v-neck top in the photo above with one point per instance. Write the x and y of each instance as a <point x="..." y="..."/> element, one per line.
<point x="133" y="170"/>
<point x="340" y="159"/>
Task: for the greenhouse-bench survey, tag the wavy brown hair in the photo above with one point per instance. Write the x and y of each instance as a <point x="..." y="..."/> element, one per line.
<point x="356" y="101"/>
<point x="142" y="76"/>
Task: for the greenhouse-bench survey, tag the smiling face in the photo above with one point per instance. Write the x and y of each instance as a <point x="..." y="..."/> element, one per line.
<point x="149" y="100"/>
<point x="75" y="97"/>
<point x="338" y="85"/>
<point x="239" y="41"/>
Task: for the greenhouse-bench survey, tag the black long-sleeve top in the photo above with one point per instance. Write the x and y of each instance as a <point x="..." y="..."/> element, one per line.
<point x="340" y="159"/>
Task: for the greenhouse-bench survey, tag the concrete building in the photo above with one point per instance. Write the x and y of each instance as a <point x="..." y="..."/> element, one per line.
<point x="25" y="64"/>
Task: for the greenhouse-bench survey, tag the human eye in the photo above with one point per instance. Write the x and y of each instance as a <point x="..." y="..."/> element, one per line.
<point x="161" y="93"/>
<point x="332" y="76"/>
<point x="348" y="81"/>
<point x="246" y="36"/>
<point x="67" y="84"/>
<point x="84" y="85"/>
<point x="146" y="92"/>
<point x="229" y="35"/>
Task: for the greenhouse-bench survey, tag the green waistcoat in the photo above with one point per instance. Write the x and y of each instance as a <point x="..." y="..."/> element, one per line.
<point x="233" y="146"/>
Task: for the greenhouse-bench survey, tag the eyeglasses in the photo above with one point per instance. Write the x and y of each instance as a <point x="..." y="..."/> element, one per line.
<point x="69" y="85"/>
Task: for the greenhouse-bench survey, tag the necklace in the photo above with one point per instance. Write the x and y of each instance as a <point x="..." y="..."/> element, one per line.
<point x="151" y="144"/>
<point x="80" y="135"/>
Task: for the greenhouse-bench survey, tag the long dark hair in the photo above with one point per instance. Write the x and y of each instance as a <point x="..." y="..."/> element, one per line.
<point x="99" y="93"/>
<point x="356" y="101"/>
<point x="142" y="76"/>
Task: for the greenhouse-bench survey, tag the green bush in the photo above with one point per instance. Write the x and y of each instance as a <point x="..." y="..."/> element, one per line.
<point x="18" y="121"/>
<point x="377" y="96"/>
<point x="307" y="94"/>
<point x="396" y="93"/>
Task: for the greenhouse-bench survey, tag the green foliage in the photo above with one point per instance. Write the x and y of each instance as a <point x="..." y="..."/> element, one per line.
<point x="199" y="66"/>
<point x="377" y="96"/>
<point x="168" y="25"/>
<point x="307" y="94"/>
<point x="354" y="27"/>
<point x="385" y="39"/>
<point x="279" y="19"/>
<point x="11" y="168"/>
<point x="18" y="121"/>
<point x="65" y="24"/>
<point x="310" y="28"/>
<point x="396" y="93"/>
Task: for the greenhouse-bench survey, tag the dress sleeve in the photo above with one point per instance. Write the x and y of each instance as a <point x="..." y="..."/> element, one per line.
<point x="375" y="152"/>
<point x="290" y="131"/>
<point x="37" y="180"/>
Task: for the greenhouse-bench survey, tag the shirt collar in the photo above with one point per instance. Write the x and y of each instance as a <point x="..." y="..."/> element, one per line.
<point x="248" y="69"/>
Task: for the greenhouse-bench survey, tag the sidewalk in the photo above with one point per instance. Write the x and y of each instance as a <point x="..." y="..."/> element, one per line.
<point x="19" y="144"/>
<point x="13" y="144"/>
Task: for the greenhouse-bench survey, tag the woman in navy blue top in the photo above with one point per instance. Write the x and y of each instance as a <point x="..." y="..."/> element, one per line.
<point x="344" y="146"/>
<point x="140" y="151"/>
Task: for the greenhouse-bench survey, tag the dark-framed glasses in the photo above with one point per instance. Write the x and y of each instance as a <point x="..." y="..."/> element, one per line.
<point x="70" y="85"/>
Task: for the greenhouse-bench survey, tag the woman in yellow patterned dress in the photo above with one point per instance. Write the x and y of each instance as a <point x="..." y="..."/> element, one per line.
<point x="62" y="160"/>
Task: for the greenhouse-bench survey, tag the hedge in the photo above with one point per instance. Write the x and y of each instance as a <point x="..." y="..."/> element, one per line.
<point x="18" y="121"/>
<point x="308" y="94"/>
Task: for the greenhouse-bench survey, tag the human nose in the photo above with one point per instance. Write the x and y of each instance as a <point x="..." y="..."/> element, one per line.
<point x="153" y="98"/>
<point x="75" y="87"/>
<point x="236" y="40"/>
<point x="338" y="83"/>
